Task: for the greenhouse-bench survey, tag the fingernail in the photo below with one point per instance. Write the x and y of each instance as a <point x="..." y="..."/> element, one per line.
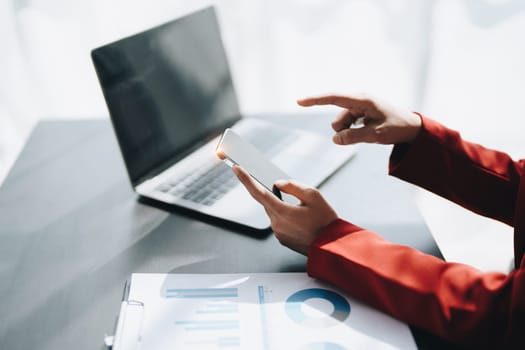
<point x="279" y="183"/>
<point x="337" y="139"/>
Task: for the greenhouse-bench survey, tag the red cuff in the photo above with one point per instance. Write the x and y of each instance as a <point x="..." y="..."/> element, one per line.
<point x="337" y="229"/>
<point x="413" y="153"/>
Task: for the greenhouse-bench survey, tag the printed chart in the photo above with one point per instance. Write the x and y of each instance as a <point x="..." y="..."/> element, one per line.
<point x="258" y="311"/>
<point x="341" y="308"/>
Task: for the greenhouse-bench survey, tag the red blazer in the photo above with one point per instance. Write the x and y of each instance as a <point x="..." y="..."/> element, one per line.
<point x="452" y="300"/>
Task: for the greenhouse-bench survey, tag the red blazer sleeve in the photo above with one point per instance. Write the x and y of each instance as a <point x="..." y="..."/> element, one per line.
<point x="455" y="301"/>
<point x="452" y="300"/>
<point x="479" y="179"/>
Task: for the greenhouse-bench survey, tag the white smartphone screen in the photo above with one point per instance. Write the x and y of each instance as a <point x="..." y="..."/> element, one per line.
<point x="234" y="150"/>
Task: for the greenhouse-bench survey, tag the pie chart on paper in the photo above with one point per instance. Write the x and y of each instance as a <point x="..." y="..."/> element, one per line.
<point x="296" y="310"/>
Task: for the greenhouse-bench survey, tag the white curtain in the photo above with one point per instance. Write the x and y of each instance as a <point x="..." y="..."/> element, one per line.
<point x="278" y="51"/>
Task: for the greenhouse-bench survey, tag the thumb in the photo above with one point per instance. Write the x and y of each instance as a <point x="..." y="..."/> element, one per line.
<point x="351" y="136"/>
<point x="291" y="187"/>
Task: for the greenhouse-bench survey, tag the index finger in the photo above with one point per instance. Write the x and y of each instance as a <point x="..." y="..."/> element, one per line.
<point x="261" y="195"/>
<point x="336" y="100"/>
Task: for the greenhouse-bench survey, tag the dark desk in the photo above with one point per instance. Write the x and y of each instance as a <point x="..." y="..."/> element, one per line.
<point x="72" y="231"/>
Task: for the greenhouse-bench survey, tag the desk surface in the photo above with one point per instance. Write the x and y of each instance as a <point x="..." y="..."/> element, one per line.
<point x="72" y="231"/>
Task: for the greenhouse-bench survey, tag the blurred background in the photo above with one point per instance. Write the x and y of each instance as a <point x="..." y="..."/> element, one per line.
<point x="461" y="62"/>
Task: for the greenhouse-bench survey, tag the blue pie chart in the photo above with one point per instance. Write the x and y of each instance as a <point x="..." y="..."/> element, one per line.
<point x="341" y="308"/>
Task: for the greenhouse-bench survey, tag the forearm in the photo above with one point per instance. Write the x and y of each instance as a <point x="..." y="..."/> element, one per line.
<point x="451" y="300"/>
<point x="479" y="179"/>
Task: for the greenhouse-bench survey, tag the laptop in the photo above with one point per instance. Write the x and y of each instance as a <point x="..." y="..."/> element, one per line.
<point x="170" y="95"/>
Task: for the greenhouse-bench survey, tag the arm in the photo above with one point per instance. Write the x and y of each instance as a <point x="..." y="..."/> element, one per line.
<point x="454" y="301"/>
<point x="430" y="155"/>
<point x="479" y="179"/>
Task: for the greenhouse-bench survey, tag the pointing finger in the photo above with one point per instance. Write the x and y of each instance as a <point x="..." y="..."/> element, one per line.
<point x="336" y="100"/>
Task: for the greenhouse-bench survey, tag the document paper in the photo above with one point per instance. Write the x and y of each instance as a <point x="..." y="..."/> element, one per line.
<point x="257" y="311"/>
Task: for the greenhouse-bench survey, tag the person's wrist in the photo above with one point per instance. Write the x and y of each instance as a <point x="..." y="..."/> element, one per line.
<point x="414" y="126"/>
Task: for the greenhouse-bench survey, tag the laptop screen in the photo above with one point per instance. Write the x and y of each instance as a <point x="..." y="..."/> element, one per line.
<point x="168" y="91"/>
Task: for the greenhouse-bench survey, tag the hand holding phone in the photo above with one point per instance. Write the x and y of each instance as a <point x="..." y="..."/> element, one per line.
<point x="236" y="151"/>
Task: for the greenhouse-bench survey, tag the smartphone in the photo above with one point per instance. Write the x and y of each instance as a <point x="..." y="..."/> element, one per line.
<point x="236" y="151"/>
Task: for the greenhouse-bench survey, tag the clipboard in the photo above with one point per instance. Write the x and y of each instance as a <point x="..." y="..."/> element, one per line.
<point x="248" y="311"/>
<point x="127" y="334"/>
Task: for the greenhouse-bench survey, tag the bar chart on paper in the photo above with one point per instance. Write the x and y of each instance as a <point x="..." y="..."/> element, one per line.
<point x="213" y="322"/>
<point x="258" y="311"/>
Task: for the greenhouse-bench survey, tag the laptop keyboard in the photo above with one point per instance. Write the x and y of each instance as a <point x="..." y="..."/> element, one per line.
<point x="209" y="182"/>
<point x="205" y="185"/>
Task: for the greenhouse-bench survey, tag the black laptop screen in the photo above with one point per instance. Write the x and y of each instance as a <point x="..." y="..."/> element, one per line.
<point x="168" y="90"/>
